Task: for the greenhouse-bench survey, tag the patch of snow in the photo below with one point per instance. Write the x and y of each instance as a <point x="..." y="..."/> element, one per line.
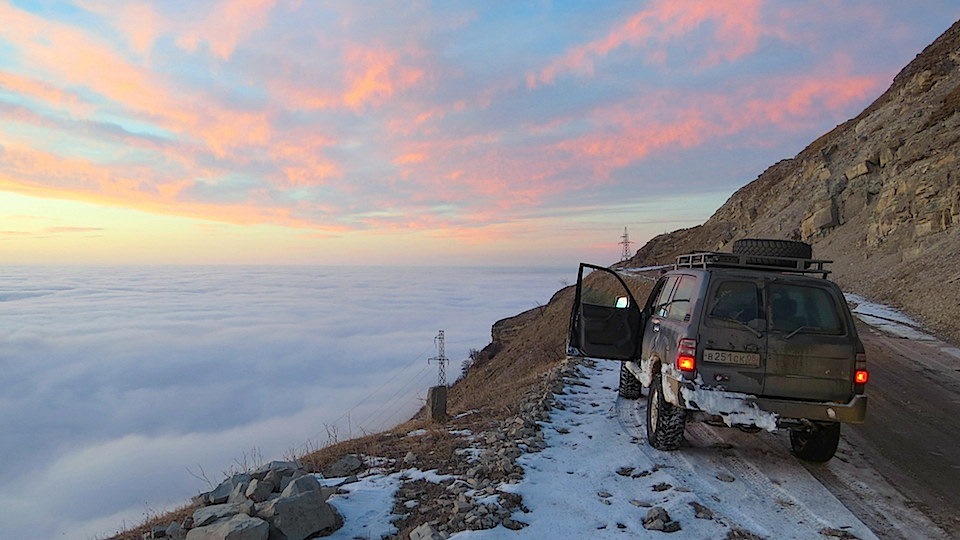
<point x="417" y="433"/>
<point x="410" y="475"/>
<point x="461" y="432"/>
<point x="367" y="507"/>
<point x="886" y="319"/>
<point x="732" y="407"/>
<point x="597" y="448"/>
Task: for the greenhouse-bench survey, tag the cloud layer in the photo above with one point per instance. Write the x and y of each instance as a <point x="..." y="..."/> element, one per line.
<point x="121" y="384"/>
<point x="449" y="116"/>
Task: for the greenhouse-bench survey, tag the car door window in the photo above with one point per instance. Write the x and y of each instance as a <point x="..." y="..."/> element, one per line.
<point x="661" y="305"/>
<point x="680" y="304"/>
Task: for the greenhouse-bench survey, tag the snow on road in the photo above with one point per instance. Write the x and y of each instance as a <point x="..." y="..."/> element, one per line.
<point x="599" y="478"/>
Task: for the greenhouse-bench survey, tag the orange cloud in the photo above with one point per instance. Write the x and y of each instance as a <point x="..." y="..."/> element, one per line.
<point x="41" y="174"/>
<point x="373" y="75"/>
<point x="736" y="34"/>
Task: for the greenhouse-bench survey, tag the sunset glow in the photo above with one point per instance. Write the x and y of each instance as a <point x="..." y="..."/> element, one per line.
<point x="287" y="132"/>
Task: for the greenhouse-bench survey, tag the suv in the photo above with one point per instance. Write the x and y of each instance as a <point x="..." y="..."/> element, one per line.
<point x="758" y="339"/>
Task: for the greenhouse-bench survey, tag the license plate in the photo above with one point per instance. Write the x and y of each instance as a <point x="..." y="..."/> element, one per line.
<point x="732" y="357"/>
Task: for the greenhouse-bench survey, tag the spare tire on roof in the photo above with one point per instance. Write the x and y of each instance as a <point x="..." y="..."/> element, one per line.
<point x="768" y="247"/>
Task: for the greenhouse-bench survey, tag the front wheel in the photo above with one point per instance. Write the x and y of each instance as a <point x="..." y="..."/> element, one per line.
<point x="630" y="387"/>
<point x="817" y="444"/>
<point x="665" y="421"/>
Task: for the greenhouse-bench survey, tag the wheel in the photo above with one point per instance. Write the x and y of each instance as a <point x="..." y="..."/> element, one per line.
<point x="630" y="387"/>
<point x="665" y="421"/>
<point x="817" y="444"/>
<point x="770" y="247"/>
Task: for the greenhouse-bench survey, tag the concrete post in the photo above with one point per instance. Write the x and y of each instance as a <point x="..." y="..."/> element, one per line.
<point x="437" y="398"/>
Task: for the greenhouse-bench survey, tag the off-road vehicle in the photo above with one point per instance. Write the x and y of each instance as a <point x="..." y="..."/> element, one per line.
<point x="758" y="339"/>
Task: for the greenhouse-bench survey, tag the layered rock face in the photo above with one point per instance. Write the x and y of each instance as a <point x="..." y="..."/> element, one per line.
<point x="879" y="195"/>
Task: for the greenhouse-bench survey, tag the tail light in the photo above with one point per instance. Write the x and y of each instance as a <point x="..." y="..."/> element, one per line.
<point x="860" y="373"/>
<point x="687" y="355"/>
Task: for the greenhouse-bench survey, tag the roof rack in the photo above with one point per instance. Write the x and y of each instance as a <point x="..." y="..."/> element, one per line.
<point x="716" y="259"/>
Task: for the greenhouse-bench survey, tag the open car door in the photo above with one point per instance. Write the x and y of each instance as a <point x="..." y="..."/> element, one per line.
<point x="606" y="320"/>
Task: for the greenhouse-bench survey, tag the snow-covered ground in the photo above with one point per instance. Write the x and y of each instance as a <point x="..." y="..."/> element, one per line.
<point x="598" y="478"/>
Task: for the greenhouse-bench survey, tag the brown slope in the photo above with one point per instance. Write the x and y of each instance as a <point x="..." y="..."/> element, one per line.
<point x="879" y="195"/>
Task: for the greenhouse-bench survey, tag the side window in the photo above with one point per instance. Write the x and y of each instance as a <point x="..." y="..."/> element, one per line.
<point x="660" y="304"/>
<point x="736" y="301"/>
<point x="682" y="299"/>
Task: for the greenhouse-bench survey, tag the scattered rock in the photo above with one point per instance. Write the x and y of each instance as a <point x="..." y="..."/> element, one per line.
<point x="257" y="511"/>
<point x="702" y="512"/>
<point x="724" y="477"/>
<point x="662" y="486"/>
<point x="657" y="519"/>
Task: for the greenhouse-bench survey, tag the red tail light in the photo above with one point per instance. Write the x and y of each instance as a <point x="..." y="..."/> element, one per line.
<point x="687" y="355"/>
<point x="860" y="374"/>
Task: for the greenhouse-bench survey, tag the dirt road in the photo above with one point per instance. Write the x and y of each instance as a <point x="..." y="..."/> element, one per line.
<point x="912" y="433"/>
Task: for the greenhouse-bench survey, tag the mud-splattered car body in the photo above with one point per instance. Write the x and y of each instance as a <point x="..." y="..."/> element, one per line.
<point x="750" y="341"/>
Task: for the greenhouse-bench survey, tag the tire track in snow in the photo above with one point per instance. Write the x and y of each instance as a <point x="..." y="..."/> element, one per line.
<point x="769" y="490"/>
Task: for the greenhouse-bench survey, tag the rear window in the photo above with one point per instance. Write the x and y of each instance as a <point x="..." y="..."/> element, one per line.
<point x="810" y="309"/>
<point x="737" y="301"/>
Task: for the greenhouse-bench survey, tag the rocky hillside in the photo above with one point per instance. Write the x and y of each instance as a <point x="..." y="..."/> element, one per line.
<point x="879" y="195"/>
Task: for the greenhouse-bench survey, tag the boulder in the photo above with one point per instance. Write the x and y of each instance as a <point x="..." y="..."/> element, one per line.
<point x="238" y="527"/>
<point x="280" y="468"/>
<point x="259" y="490"/>
<point x="300" y="485"/>
<point x="345" y="466"/>
<point x="301" y="516"/>
<point x="222" y="492"/>
<point x="209" y="514"/>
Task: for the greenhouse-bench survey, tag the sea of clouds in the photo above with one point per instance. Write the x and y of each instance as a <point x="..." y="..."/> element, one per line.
<point x="123" y="387"/>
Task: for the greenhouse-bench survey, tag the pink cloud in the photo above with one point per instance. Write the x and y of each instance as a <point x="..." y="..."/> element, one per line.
<point x="679" y="120"/>
<point x="229" y="22"/>
<point x="373" y="75"/>
<point x="736" y="33"/>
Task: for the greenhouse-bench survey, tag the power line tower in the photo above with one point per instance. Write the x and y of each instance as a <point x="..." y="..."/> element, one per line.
<point x="625" y="242"/>
<point x="441" y="360"/>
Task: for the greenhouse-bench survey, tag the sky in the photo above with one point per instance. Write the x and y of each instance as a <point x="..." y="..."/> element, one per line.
<point x="125" y="387"/>
<point x="504" y="133"/>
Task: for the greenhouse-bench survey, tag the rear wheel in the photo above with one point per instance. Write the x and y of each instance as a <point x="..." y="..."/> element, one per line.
<point x="817" y="444"/>
<point x="665" y="421"/>
<point x="630" y="387"/>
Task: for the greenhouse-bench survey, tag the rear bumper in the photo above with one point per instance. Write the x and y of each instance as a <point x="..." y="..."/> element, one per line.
<point x="768" y="413"/>
<point x="853" y="412"/>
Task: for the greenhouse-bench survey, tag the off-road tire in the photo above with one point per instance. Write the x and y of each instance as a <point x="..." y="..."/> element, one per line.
<point x="817" y="445"/>
<point x="769" y="247"/>
<point x="665" y="421"/>
<point x="630" y="387"/>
